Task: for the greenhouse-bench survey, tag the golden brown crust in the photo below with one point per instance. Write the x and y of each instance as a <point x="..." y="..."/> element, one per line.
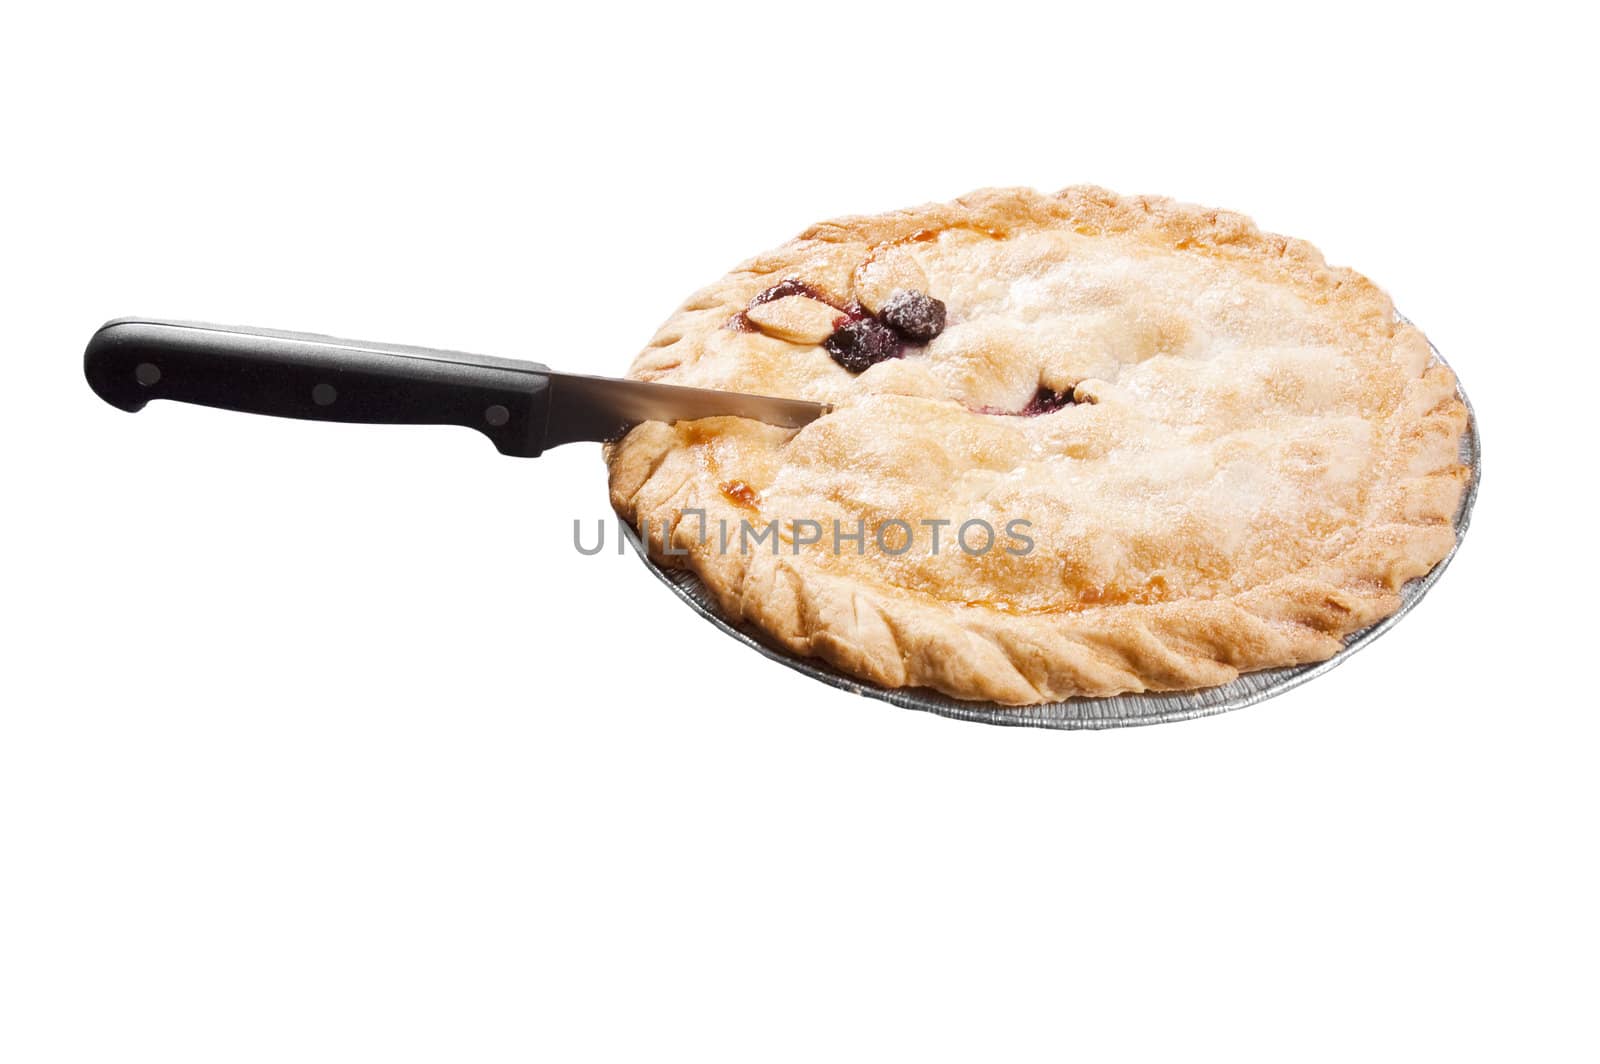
<point x="1262" y="456"/>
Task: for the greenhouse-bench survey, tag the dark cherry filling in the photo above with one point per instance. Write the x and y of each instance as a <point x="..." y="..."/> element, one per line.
<point x="1044" y="401"/>
<point x="915" y="315"/>
<point x="865" y="340"/>
<point x="860" y="345"/>
<point x="861" y="339"/>
<point x="793" y="286"/>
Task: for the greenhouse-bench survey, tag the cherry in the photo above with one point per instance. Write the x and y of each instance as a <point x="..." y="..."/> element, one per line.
<point x="915" y="315"/>
<point x="860" y="345"/>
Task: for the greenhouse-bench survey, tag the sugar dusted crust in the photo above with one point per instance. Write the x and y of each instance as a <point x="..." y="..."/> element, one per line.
<point x="1261" y="455"/>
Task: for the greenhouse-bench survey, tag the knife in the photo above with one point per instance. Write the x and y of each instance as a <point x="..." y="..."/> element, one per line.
<point x="523" y="407"/>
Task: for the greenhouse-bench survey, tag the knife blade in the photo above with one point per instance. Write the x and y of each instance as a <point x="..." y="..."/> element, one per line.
<point x="605" y="408"/>
<point x="523" y="407"/>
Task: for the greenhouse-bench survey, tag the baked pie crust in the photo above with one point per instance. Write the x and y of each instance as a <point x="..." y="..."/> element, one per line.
<point x="1236" y="455"/>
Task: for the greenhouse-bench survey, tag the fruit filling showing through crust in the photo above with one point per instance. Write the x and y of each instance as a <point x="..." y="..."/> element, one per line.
<point x="860" y="345"/>
<point x="860" y="339"/>
<point x="793" y="286"/>
<point x="1044" y="401"/>
<point x="915" y="315"/>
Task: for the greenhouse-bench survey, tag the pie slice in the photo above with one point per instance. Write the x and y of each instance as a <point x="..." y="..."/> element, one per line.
<point x="1082" y="444"/>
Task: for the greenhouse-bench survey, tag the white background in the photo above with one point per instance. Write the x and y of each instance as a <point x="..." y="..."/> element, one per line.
<point x="321" y="743"/>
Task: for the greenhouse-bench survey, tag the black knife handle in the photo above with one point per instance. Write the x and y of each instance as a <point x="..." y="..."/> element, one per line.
<point x="131" y="361"/>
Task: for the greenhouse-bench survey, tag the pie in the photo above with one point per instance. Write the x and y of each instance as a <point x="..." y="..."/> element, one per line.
<point x="1194" y="448"/>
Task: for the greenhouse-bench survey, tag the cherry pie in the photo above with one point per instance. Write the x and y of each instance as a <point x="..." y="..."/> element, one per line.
<point x="1081" y="444"/>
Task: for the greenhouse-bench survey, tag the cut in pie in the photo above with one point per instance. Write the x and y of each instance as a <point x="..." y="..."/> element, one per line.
<point x="1194" y="449"/>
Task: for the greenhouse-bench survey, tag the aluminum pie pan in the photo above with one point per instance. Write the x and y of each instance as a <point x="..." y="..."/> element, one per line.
<point x="1118" y="711"/>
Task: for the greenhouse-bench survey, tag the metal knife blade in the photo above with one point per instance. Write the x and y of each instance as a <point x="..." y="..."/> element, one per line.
<point x="605" y="408"/>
